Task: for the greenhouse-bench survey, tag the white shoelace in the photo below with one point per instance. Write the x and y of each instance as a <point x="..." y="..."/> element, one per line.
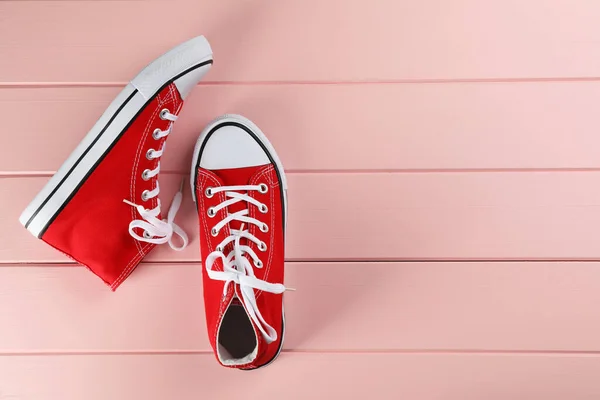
<point x="155" y="230"/>
<point x="237" y="268"/>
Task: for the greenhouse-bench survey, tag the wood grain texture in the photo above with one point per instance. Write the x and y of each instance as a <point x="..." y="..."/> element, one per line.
<point x="427" y="216"/>
<point x="366" y="306"/>
<point x="349" y="376"/>
<point x="300" y="40"/>
<point x="335" y="127"/>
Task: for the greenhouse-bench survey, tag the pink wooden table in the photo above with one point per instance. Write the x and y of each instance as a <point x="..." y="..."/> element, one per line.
<point x="444" y="172"/>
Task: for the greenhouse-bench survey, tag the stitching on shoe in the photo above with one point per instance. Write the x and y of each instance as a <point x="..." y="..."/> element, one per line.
<point x="257" y="179"/>
<point x="203" y="177"/>
<point x="131" y="265"/>
<point x="221" y="197"/>
<point x="267" y="174"/>
<point x="136" y="161"/>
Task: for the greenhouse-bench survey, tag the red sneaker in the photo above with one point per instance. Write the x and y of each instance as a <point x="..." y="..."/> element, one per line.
<point x="240" y="191"/>
<point x="80" y="211"/>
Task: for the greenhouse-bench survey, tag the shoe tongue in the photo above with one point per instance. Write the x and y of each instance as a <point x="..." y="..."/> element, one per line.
<point x="237" y="177"/>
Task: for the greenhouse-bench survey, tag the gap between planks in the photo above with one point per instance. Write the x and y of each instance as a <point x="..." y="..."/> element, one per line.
<point x="61" y="264"/>
<point x="48" y="174"/>
<point x="42" y="85"/>
<point x="475" y="352"/>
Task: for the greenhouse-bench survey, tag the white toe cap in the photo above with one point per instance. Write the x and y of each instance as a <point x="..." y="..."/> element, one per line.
<point x="232" y="147"/>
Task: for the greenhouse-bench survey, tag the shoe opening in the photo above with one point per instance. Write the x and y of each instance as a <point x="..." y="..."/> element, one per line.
<point x="237" y="344"/>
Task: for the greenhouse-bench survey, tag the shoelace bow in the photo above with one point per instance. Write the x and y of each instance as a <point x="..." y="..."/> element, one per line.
<point x="237" y="268"/>
<point x="155" y="230"/>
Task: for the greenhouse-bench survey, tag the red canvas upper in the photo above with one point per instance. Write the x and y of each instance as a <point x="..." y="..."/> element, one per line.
<point x="216" y="302"/>
<point x="93" y="227"/>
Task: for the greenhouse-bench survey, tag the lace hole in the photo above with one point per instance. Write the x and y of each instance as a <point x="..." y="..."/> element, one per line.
<point x="147" y="235"/>
<point x="262" y="246"/>
<point x="264" y="209"/>
<point x="211" y="212"/>
<point x="214" y="232"/>
<point x="258" y="264"/>
<point x="146" y="174"/>
<point x="163" y="113"/>
<point x="263" y="188"/>
<point x="150" y="154"/>
<point x="156" y="134"/>
<point x="209" y="192"/>
<point x="264" y="228"/>
<point x="145" y="195"/>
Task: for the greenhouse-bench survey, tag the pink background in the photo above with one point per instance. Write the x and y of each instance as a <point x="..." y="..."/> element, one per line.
<point x="444" y="170"/>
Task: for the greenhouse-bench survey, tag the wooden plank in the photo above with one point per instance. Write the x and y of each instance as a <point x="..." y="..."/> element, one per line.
<point x="508" y="306"/>
<point x="336" y="127"/>
<point x="304" y="40"/>
<point x="347" y="376"/>
<point x="426" y="216"/>
<point x="543" y="215"/>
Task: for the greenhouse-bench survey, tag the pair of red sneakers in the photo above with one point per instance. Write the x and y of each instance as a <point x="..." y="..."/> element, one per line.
<point x="101" y="207"/>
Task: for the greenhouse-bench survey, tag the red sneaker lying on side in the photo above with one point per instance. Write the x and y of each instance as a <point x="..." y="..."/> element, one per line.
<point x="239" y="187"/>
<point x="81" y="211"/>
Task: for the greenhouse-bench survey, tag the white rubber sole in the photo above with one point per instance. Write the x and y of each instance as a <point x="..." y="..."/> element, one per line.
<point x="183" y="65"/>
<point x="278" y="165"/>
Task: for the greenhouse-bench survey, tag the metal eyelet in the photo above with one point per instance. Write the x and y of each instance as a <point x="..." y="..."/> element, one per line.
<point x="263" y="208"/>
<point x="146" y="174"/>
<point x="208" y="192"/>
<point x="145" y="195"/>
<point x="258" y="264"/>
<point x="264" y="228"/>
<point x="263" y="188"/>
<point x="150" y="154"/>
<point x="147" y="235"/>
<point x="211" y="212"/>
<point x="156" y="133"/>
<point x="262" y="246"/>
<point x="163" y="113"/>
<point x="214" y="232"/>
